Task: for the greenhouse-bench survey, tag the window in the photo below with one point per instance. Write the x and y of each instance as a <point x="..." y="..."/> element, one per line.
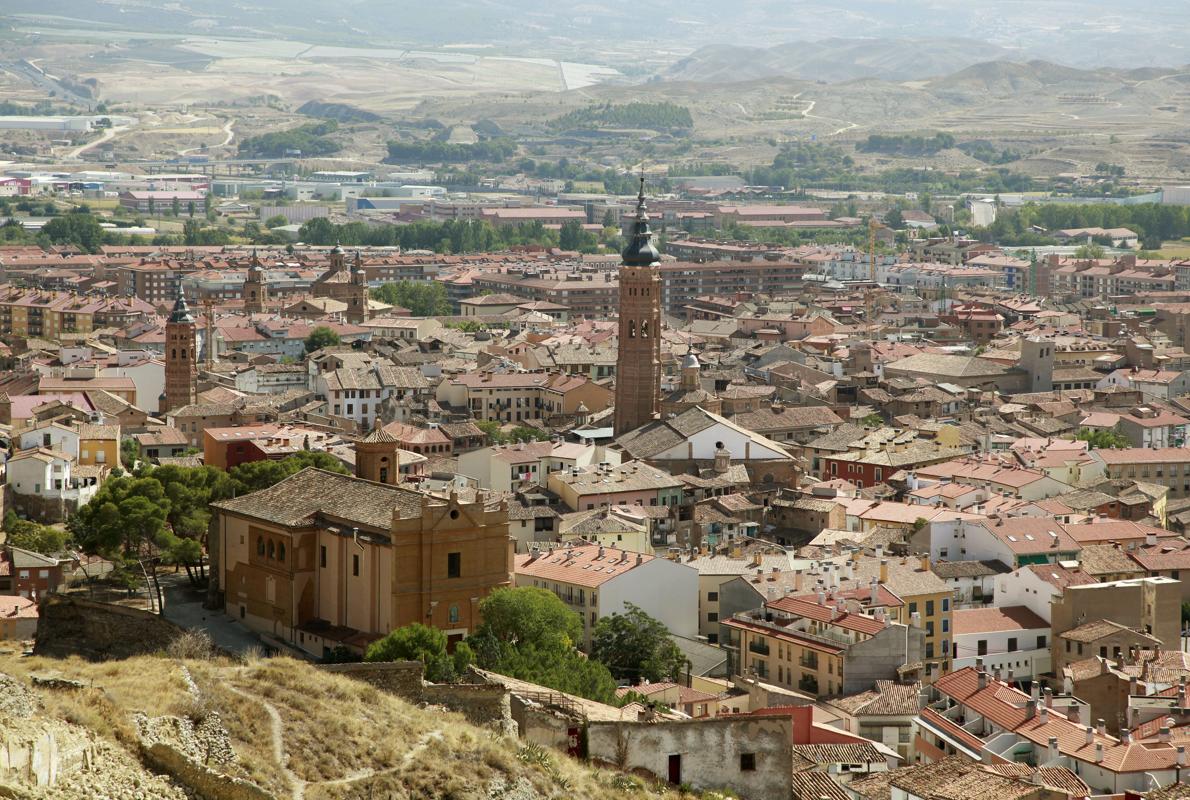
<point x="712" y="616"/>
<point x="929" y="608"/>
<point x="272" y="549"/>
<point x="945" y="604"/>
<point x="260" y="545"/>
<point x="454" y="565"/>
<point x="712" y="597"/>
<point x="747" y="762"/>
<point x="322" y="556"/>
<point x="981" y="647"/>
<point x="946" y="626"/>
<point x="1041" y="642"/>
<point x="355" y="565"/>
<point x="453" y="616"/>
<point x="281" y="551"/>
<point x="912" y="608"/>
<point x="1011" y="644"/>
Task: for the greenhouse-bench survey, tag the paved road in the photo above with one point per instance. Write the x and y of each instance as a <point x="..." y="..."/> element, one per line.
<point x="183" y="606"/>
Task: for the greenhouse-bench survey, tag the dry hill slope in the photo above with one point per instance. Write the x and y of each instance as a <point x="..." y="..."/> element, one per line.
<point x="264" y="729"/>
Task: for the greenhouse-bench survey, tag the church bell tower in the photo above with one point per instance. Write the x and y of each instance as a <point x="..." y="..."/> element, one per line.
<point x="638" y="361"/>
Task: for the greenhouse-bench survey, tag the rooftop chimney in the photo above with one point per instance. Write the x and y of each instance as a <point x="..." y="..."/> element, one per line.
<point x="1043" y="716"/>
<point x="884" y="570"/>
<point x="1035" y="691"/>
<point x="1101" y="725"/>
<point x="1125" y="736"/>
<point x="1030" y="709"/>
<point x="874" y="586"/>
<point x="1074" y="713"/>
<point x="821" y="597"/>
<point x="1181" y="755"/>
<point x="983" y="678"/>
<point x="925" y="562"/>
<point x="1053" y="748"/>
<point x="1098" y="752"/>
<point x="1090" y="735"/>
<point x="1049" y="697"/>
<point x="1163" y="734"/>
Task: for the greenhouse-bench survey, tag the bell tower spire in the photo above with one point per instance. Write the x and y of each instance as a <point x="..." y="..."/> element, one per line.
<point x="638" y="360"/>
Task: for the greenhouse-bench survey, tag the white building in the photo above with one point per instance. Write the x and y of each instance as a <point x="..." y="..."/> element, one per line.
<point x="48" y="486"/>
<point x="1012" y="639"/>
<point x="508" y="468"/>
<point x="597" y="581"/>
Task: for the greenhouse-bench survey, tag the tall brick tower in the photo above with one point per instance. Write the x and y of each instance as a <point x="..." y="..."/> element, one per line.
<point x="638" y="362"/>
<point x="181" y="372"/>
<point x="357" y="294"/>
<point x="255" y="288"/>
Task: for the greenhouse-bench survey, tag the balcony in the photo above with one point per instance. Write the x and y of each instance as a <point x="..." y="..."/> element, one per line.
<point x="758" y="647"/>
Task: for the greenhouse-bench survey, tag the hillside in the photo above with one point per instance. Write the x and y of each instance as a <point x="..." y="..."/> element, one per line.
<point x="274" y="728"/>
<point x="834" y="60"/>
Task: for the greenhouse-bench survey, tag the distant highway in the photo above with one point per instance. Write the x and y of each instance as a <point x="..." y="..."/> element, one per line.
<point x="39" y="77"/>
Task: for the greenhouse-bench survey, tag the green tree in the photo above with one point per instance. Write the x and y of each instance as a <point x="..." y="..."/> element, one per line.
<point x="1103" y="439"/>
<point x="29" y="535"/>
<point x="129" y="453"/>
<point x="81" y="230"/>
<point x="422" y="298"/>
<point x="256" y="475"/>
<point x="872" y="420"/>
<point x="528" y="633"/>
<point x="276" y="221"/>
<point x="321" y="337"/>
<point x="417" y="642"/>
<point x="125" y="519"/>
<point x="1089" y="251"/>
<point x="636" y="647"/>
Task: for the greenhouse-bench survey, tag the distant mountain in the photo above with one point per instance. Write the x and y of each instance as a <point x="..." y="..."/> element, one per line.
<point x="835" y="60"/>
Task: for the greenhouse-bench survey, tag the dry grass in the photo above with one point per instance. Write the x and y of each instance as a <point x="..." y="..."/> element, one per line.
<point x="333" y="729"/>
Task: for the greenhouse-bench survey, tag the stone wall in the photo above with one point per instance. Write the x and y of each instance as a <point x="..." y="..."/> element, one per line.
<point x="206" y="782"/>
<point x="541" y="726"/>
<point x="71" y="625"/>
<point x="751" y="756"/>
<point x="41" y="509"/>
<point x="482" y="704"/>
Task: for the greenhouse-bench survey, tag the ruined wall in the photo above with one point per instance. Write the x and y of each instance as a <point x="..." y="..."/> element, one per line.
<point x="206" y="782"/>
<point x="71" y="625"/>
<point x="710" y="753"/>
<point x="482" y="704"/>
<point x="541" y="726"/>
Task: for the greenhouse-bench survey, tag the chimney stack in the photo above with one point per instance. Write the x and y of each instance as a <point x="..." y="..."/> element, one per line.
<point x="884" y="570"/>
<point x="1035" y="691"/>
<point x="821" y="597"/>
<point x="1125" y="736"/>
<point x="1053" y="748"/>
<point x="874" y="586"/>
<point x="1074" y="713"/>
<point x="1101" y="725"/>
<point x="1030" y="709"/>
<point x="1090" y="735"/>
<point x="1099" y="752"/>
<point x="1049" y="697"/>
<point x="1163" y="734"/>
<point x="925" y="562"/>
<point x="1043" y="716"/>
<point x="1181" y="755"/>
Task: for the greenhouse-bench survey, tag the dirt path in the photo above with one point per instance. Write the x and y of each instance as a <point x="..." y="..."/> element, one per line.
<point x="107" y="136"/>
<point x="298" y="785"/>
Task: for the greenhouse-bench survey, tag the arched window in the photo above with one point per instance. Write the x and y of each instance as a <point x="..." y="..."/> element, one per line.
<point x="272" y="549"/>
<point x="631" y="329"/>
<point x="644" y="329"/>
<point x="183" y="352"/>
<point x="173" y="353"/>
<point x="260" y="545"/>
<point x="281" y="551"/>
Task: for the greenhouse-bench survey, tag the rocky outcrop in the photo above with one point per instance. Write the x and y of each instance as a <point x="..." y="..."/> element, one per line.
<point x="72" y="625"/>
